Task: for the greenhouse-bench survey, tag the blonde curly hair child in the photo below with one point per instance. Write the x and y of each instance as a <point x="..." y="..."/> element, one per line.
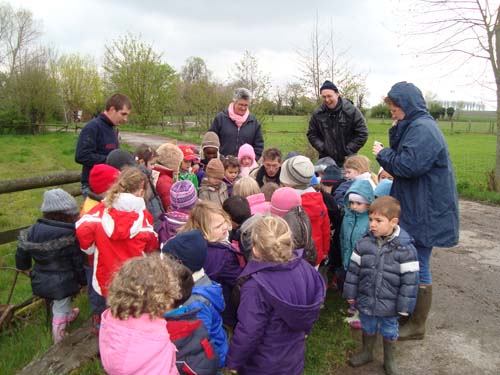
<point x="133" y="336"/>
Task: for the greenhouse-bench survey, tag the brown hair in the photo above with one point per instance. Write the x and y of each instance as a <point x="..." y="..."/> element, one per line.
<point x="200" y="217"/>
<point x="245" y="186"/>
<point x="145" y="152"/>
<point x="145" y="285"/>
<point x="131" y="179"/>
<point x="272" y="153"/>
<point x="231" y="161"/>
<point x="272" y="238"/>
<point x="268" y="190"/>
<point x="386" y="206"/>
<point x="118" y="101"/>
<point x="359" y="163"/>
<point x="389" y="101"/>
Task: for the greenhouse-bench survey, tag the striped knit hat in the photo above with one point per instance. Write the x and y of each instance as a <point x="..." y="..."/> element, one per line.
<point x="297" y="172"/>
<point x="183" y="195"/>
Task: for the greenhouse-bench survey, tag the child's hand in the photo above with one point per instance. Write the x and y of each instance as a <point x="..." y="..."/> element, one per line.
<point x="351" y="301"/>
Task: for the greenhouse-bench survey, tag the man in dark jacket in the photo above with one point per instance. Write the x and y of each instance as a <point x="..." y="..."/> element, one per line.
<point x="337" y="128"/>
<point x="236" y="126"/>
<point x="99" y="137"/>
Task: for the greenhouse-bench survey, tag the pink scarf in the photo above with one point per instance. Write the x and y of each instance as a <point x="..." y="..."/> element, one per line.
<point x="238" y="120"/>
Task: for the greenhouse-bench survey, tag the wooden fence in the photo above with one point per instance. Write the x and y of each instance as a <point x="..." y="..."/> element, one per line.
<point x="21" y="184"/>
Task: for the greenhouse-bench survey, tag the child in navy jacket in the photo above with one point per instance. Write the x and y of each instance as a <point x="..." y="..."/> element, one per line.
<point x="382" y="280"/>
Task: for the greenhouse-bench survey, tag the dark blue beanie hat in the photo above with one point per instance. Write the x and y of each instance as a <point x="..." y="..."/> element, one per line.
<point x="327" y="85"/>
<point x="331" y="175"/>
<point x="190" y="248"/>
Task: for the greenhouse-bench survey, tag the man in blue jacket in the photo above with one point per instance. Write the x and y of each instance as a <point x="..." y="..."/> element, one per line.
<point x="99" y="137"/>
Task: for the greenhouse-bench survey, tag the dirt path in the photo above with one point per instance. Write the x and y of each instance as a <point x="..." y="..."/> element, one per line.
<point x="463" y="330"/>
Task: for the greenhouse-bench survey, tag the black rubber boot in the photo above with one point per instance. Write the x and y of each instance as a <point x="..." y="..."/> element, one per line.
<point x="389" y="364"/>
<point x="414" y="329"/>
<point x="366" y="354"/>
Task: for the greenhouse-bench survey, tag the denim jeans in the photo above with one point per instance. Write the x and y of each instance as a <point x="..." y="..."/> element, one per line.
<point x="424" y="262"/>
<point x="387" y="326"/>
<point x="97" y="302"/>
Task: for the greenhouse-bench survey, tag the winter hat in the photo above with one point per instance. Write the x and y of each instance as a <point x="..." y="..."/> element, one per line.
<point x="120" y="158"/>
<point x="215" y="169"/>
<point x="314" y="180"/>
<point x="188" y="152"/>
<point x="210" y="139"/>
<point x="258" y="204"/>
<point x="353" y="197"/>
<point x="170" y="156"/>
<point x="323" y="163"/>
<point x="383" y="188"/>
<point x="190" y="248"/>
<point x="183" y="195"/>
<point x="332" y="174"/>
<point x="246" y="150"/>
<point x="58" y="200"/>
<point x="283" y="200"/>
<point x="101" y="177"/>
<point x="327" y="85"/>
<point x="297" y="172"/>
<point x="291" y="154"/>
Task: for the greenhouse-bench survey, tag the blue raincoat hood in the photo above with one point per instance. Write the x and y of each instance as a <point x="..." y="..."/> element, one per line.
<point x="410" y="99"/>
<point x="361" y="187"/>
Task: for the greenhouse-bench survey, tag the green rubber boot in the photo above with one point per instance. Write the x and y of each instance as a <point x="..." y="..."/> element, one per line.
<point x="366" y="354"/>
<point x="414" y="329"/>
<point x="389" y="364"/>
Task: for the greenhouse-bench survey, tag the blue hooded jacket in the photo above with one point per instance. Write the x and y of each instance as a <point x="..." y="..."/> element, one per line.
<point x="424" y="182"/>
<point x="207" y="299"/>
<point x="354" y="224"/>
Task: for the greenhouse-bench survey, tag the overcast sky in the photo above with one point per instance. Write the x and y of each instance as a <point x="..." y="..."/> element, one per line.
<point x="220" y="32"/>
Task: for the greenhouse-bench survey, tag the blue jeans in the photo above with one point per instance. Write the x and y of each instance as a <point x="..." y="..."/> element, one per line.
<point x="424" y="262"/>
<point x="97" y="302"/>
<point x="387" y="326"/>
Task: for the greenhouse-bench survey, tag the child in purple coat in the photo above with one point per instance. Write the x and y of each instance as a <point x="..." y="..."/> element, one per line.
<point x="280" y="302"/>
<point x="224" y="263"/>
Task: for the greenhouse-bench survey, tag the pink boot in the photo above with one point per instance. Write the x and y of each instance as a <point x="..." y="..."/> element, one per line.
<point x="58" y="329"/>
<point x="73" y="315"/>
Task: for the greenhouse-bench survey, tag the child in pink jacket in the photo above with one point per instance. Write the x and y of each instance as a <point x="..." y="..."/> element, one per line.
<point x="133" y="338"/>
<point x="246" y="157"/>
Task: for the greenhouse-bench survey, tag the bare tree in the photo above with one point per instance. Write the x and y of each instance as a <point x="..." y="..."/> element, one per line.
<point x="465" y="28"/>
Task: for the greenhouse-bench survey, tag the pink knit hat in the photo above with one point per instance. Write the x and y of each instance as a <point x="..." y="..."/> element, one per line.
<point x="284" y="199"/>
<point x="246" y="150"/>
<point x="258" y="204"/>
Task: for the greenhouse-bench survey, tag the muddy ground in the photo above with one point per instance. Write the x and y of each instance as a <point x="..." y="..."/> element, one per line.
<point x="463" y="329"/>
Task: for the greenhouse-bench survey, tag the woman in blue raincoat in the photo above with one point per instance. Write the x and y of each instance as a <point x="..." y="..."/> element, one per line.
<point x="424" y="183"/>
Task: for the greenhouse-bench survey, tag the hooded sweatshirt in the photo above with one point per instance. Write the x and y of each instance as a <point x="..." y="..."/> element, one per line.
<point x="139" y="346"/>
<point x="354" y="224"/>
<point x="115" y="235"/>
<point x="280" y="302"/>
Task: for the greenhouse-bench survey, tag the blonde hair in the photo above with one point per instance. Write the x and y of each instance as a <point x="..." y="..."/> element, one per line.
<point x="272" y="238"/>
<point x="246" y="186"/>
<point x="145" y="285"/>
<point x="131" y="179"/>
<point x="201" y="216"/>
<point x="360" y="163"/>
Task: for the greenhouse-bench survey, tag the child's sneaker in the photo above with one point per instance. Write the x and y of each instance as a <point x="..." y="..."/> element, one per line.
<point x="73" y="315"/>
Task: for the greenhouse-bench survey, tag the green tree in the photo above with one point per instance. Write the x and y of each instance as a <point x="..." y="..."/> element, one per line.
<point x="81" y="87"/>
<point x="449" y="112"/>
<point x="380" y="111"/>
<point x="135" y="69"/>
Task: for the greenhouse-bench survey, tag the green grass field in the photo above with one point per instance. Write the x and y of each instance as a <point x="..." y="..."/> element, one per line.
<point x="473" y="155"/>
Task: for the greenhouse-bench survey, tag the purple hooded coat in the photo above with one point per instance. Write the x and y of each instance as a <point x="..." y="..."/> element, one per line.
<point x="279" y="304"/>
<point x="223" y="266"/>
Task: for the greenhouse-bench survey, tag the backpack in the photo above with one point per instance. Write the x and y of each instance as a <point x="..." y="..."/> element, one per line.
<point x="170" y="223"/>
<point x="195" y="353"/>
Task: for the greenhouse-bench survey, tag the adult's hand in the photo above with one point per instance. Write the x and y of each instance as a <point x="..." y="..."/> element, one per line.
<point x="377" y="147"/>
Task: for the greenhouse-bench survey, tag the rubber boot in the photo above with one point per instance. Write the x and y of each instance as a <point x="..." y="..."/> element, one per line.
<point x="389" y="364"/>
<point x="414" y="329"/>
<point x="366" y="354"/>
<point x="58" y="329"/>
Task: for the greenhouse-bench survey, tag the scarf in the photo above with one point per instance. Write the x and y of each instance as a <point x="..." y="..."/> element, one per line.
<point x="238" y="120"/>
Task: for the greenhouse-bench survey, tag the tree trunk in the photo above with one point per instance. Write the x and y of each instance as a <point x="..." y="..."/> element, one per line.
<point x="497" y="79"/>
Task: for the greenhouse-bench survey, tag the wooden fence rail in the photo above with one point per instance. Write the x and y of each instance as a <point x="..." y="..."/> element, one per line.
<point x="21" y="184"/>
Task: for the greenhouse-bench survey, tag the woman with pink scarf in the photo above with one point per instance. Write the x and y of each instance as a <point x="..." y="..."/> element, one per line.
<point x="236" y="126"/>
